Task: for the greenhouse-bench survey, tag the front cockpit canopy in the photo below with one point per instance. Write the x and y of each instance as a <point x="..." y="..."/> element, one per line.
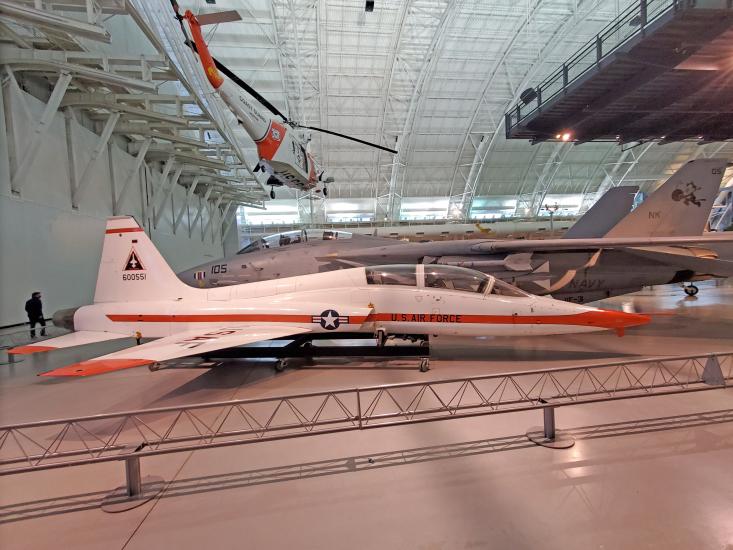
<point x="445" y="277"/>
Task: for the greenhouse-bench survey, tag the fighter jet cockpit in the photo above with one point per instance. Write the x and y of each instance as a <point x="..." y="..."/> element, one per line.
<point x="297" y="236"/>
<point x="446" y="277"/>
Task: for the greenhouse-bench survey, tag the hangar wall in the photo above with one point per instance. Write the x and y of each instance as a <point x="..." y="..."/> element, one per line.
<point x="47" y="245"/>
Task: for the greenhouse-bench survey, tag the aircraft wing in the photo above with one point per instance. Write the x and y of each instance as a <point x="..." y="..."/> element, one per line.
<point x="599" y="243"/>
<point x="409" y="252"/>
<point x="70" y="340"/>
<point x="683" y="259"/>
<point x="183" y="344"/>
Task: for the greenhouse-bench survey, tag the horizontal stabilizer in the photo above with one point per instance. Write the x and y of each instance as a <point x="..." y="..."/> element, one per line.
<point x="182" y="344"/>
<point x="79" y="338"/>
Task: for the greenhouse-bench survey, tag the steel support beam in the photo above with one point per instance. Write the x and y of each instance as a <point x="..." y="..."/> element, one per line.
<point x="96" y="152"/>
<point x="213" y="212"/>
<point x="171" y="185"/>
<point x="136" y="170"/>
<point x="31" y="148"/>
<point x="230" y="224"/>
<point x="54" y="21"/>
<point x="200" y="210"/>
<point x="223" y="220"/>
<point x="184" y="208"/>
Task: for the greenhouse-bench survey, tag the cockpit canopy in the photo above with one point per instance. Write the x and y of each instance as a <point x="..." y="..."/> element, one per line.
<point x="447" y="277"/>
<point x="294" y="237"/>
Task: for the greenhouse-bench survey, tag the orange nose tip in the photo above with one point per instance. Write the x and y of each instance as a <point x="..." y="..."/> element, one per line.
<point x="619" y="319"/>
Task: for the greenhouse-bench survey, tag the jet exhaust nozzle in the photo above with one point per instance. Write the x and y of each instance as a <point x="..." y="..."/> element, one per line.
<point x="64" y="318"/>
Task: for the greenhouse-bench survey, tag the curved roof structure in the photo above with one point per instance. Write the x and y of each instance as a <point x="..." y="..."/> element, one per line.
<point x="433" y="78"/>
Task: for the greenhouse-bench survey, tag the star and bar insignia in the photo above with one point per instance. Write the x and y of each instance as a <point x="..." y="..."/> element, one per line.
<point x="330" y="319"/>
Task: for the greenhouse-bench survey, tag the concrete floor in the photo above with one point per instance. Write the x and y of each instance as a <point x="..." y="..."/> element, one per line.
<point x="629" y="482"/>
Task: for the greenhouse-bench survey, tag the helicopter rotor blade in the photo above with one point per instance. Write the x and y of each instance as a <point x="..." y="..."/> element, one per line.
<point x="219" y="17"/>
<point x="350" y="138"/>
<point x="232" y="15"/>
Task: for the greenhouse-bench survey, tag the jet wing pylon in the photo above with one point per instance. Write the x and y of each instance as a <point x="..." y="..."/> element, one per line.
<point x="181" y="344"/>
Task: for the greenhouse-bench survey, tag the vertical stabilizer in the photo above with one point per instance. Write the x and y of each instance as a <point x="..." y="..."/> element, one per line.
<point x="680" y="207"/>
<point x="604" y="214"/>
<point x="132" y="269"/>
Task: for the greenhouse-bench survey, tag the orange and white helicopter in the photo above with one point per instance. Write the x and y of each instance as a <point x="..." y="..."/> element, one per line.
<point x="283" y="155"/>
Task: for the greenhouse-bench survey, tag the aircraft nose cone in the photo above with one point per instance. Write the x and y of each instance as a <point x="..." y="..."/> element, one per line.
<point x="618" y="319"/>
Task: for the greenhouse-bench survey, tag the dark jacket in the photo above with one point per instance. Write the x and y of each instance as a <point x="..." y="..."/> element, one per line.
<point x="34" y="308"/>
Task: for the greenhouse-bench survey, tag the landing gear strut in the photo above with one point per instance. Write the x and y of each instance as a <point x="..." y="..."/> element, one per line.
<point x="691" y="290"/>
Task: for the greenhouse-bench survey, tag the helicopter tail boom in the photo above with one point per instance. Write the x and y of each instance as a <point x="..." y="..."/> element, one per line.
<point x="212" y="73"/>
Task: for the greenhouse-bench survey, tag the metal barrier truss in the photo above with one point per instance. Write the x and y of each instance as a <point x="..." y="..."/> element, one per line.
<point x="116" y="436"/>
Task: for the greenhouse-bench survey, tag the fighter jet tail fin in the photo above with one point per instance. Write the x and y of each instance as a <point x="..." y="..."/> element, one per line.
<point x="680" y="207"/>
<point x="132" y="268"/>
<point x="604" y="214"/>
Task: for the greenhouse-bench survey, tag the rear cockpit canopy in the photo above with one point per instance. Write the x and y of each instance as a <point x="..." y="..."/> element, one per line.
<point x="445" y="277"/>
<point x="287" y="238"/>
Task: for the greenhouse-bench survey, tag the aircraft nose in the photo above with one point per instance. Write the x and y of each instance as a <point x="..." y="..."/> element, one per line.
<point x="617" y="320"/>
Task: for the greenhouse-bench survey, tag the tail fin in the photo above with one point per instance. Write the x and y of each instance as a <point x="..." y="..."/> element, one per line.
<point x="604" y="214"/>
<point x="680" y="207"/>
<point x="132" y="268"/>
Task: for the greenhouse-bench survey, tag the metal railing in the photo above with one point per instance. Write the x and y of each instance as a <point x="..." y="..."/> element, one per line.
<point x="117" y="436"/>
<point x="630" y="23"/>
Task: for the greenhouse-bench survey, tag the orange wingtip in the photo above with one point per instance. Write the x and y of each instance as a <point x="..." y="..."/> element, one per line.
<point x="97" y="366"/>
<point x="27" y="350"/>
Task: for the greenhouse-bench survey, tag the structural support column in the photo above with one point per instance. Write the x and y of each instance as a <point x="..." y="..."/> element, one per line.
<point x="230" y="224"/>
<point x="171" y="185"/>
<point x="96" y="152"/>
<point x="136" y="170"/>
<point x="212" y="213"/>
<point x="18" y="178"/>
<point x="202" y="204"/>
<point x="184" y="207"/>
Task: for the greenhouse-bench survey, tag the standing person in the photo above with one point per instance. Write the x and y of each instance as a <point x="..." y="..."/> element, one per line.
<point x="34" y="309"/>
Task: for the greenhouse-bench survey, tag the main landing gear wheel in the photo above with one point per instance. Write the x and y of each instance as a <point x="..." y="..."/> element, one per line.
<point x="272" y="193"/>
<point x="281" y="365"/>
<point x="424" y="364"/>
<point x="691" y="290"/>
<point x="325" y="192"/>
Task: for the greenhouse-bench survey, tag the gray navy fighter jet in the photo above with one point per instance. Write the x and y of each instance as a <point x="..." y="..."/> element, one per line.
<point x="608" y="252"/>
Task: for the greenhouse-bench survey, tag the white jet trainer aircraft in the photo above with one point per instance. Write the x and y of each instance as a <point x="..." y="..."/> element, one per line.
<point x="137" y="294"/>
